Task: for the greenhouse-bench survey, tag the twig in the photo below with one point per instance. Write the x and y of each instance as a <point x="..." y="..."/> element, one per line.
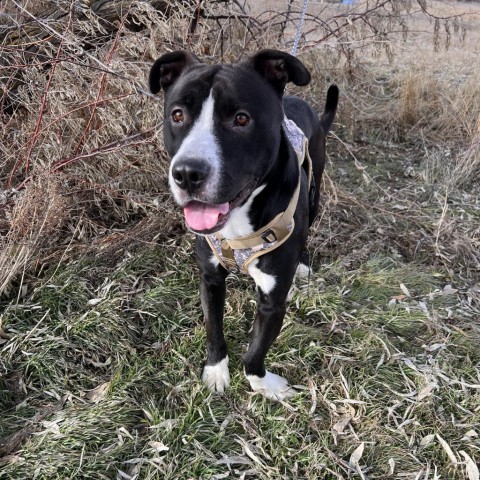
<point x="102" y="83"/>
<point x="58" y="165"/>
<point x="36" y="131"/>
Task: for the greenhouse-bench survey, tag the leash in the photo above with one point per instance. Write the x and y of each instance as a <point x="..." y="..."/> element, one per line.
<point x="235" y="255"/>
<point x="294" y="53"/>
<point x="299" y="28"/>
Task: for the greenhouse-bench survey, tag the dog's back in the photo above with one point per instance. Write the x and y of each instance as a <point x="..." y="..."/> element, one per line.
<point x="315" y="129"/>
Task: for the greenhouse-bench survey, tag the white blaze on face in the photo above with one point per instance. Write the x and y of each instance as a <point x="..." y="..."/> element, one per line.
<point x="200" y="144"/>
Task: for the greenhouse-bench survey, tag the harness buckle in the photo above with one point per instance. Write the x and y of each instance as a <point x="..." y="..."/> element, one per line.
<point x="269" y="236"/>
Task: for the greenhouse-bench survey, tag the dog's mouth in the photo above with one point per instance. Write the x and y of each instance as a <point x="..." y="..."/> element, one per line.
<point x="205" y="218"/>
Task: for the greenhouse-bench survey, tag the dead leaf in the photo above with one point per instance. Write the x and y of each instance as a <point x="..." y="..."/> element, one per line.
<point x="219" y="476"/>
<point x="404" y="289"/>
<point x="470" y="434"/>
<point x="98" y="393"/>
<point x="356" y="456"/>
<point x="3" y="334"/>
<point x="434" y="346"/>
<point x="410" y="364"/>
<point x="391" y="463"/>
<point x="427" y="440"/>
<point x="313" y="393"/>
<point x="107" y="362"/>
<point x="427" y="391"/>
<point x="94" y="301"/>
<point x="340" y="426"/>
<point x="447" y="449"/>
<point x="470" y="466"/>
<point x="248" y="450"/>
<point x="10" y="459"/>
<point x="159" y="446"/>
<point x="448" y="290"/>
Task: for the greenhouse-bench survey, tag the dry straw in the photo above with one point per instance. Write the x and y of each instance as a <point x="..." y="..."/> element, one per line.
<point x="81" y="157"/>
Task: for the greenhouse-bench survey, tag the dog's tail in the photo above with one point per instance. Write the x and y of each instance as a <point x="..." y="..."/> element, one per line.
<point x="331" y="103"/>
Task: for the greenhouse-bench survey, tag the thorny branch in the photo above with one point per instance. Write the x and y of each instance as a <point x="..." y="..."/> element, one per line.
<point x="331" y="24"/>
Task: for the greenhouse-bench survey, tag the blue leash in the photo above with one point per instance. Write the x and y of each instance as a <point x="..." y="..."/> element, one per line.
<point x="299" y="28"/>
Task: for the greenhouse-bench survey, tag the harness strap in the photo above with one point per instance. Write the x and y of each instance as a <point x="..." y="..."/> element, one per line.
<point x="275" y="230"/>
<point x="228" y="256"/>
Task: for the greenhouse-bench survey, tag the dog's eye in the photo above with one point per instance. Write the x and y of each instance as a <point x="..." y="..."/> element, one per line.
<point x="242" y="119"/>
<point x="177" y="116"/>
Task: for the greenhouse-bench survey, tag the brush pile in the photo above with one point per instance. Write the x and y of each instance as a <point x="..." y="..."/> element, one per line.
<point x="82" y="166"/>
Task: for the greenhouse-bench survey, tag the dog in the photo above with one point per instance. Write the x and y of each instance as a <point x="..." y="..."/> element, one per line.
<point x="246" y="165"/>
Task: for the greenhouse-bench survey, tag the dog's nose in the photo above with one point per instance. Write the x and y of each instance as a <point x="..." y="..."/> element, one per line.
<point x="190" y="174"/>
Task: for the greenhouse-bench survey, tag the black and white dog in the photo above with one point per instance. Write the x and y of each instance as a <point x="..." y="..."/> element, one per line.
<point x="237" y="147"/>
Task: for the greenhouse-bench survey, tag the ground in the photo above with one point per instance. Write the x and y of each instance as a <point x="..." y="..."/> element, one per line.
<point x="101" y="354"/>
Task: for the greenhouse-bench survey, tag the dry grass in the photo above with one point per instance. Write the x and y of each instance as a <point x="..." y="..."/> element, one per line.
<point x="101" y="339"/>
<point x="112" y="173"/>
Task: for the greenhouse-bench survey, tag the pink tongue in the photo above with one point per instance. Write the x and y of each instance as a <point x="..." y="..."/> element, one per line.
<point x="202" y="216"/>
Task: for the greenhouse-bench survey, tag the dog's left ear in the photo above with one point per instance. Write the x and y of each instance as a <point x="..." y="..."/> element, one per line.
<point x="279" y="68"/>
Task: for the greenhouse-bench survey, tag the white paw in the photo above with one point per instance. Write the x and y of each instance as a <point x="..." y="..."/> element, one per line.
<point x="271" y="386"/>
<point x="217" y="377"/>
<point x="303" y="271"/>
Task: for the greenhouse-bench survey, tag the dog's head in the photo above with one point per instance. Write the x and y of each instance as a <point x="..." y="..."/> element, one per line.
<point x="222" y="128"/>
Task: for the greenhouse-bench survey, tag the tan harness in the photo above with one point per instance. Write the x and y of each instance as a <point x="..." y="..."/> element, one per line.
<point x="237" y="254"/>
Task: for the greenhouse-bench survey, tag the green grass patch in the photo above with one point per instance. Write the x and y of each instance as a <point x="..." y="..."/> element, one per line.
<point x="103" y="375"/>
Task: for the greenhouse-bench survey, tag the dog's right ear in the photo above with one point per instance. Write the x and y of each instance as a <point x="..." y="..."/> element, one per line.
<point x="167" y="69"/>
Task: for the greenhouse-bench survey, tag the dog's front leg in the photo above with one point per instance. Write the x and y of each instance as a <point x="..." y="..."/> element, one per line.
<point x="271" y="308"/>
<point x="212" y="294"/>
